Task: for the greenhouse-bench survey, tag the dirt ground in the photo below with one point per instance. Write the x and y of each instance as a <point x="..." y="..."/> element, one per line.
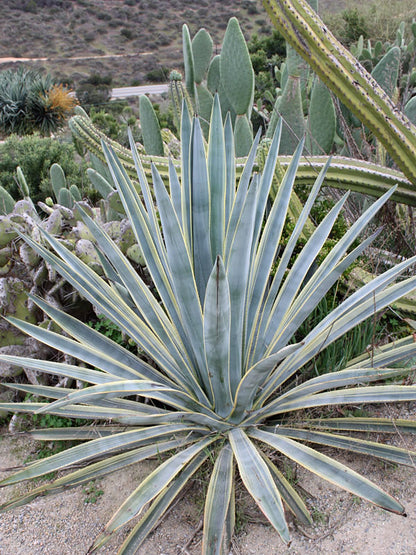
<point x="66" y="524"/>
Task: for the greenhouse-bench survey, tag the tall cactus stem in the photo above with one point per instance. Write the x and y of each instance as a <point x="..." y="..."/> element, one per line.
<point x="345" y="76"/>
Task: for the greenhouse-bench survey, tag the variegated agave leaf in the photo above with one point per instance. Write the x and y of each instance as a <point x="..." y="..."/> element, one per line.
<point x="220" y="331"/>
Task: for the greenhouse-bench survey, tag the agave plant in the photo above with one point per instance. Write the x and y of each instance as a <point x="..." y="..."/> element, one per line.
<point x="32" y="102"/>
<point x="218" y="323"/>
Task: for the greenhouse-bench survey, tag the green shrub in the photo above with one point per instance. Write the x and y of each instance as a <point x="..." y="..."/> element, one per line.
<point x="31" y="102"/>
<point x="355" y="26"/>
<point x="35" y="155"/>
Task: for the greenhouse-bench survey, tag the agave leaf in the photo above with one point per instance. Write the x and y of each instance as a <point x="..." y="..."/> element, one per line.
<point x="202" y="260"/>
<point x="251" y="381"/>
<point x="159" y="506"/>
<point x="96" y="393"/>
<point x="183" y="278"/>
<point x="94" y="471"/>
<point x="238" y="270"/>
<point x="88" y="283"/>
<point x="289" y="494"/>
<point x="92" y="412"/>
<point x="154" y="254"/>
<point x="359" y="424"/>
<point x="258" y="480"/>
<point x="217" y="180"/>
<point x="97" y="349"/>
<point x="298" y="272"/>
<point x="129" y="407"/>
<point x="266" y="181"/>
<point x="266" y="251"/>
<point x="386" y="355"/>
<point x="95" y="342"/>
<point x="328" y="272"/>
<point x="186" y="131"/>
<point x="360" y="395"/>
<point x="262" y="319"/>
<point x="72" y="433"/>
<point x="78" y="453"/>
<point x="217" y="502"/>
<point x="342" y="378"/>
<point x="330" y="470"/>
<point x="176" y="194"/>
<point x="151" y="486"/>
<point x="313" y="292"/>
<point x="60" y="369"/>
<point x="239" y="198"/>
<point x="387" y="452"/>
<point x="217" y="325"/>
<point x="230" y="166"/>
<point x="145" y="302"/>
<point x="355" y="309"/>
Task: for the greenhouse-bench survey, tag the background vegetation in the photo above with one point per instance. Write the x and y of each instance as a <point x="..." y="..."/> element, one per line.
<point x="143" y="40"/>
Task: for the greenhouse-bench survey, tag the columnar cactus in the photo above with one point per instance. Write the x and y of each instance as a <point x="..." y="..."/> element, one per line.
<point x="343" y="173"/>
<point x="347" y="78"/>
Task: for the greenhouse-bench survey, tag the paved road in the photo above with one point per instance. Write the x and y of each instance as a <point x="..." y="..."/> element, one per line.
<point x="125" y="92"/>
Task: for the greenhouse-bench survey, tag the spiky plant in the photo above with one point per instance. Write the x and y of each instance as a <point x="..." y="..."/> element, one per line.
<point x="218" y="323"/>
<point x="32" y="102"/>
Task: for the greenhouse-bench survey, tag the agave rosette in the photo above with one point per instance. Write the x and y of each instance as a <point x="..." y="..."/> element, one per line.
<point x="218" y="323"/>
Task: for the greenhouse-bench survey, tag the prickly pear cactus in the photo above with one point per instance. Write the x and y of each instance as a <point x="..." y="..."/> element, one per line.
<point x="230" y="74"/>
<point x="23" y="271"/>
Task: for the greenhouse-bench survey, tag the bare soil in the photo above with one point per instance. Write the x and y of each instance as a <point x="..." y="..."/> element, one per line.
<point x="66" y="524"/>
